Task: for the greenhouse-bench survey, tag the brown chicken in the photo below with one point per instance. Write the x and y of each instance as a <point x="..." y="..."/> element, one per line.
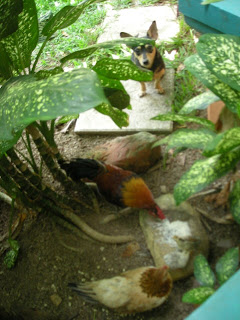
<point x="133" y="291"/>
<point x="121" y="187"/>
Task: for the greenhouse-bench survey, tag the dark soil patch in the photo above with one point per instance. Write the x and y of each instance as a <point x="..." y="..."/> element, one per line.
<point x="51" y="256"/>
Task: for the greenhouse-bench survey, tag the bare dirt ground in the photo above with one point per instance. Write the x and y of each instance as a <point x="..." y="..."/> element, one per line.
<point x="50" y="256"/>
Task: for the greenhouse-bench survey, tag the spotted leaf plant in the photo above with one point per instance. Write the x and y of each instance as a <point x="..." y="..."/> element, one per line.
<point x="226" y="266"/>
<point x="31" y="99"/>
<point x="216" y="65"/>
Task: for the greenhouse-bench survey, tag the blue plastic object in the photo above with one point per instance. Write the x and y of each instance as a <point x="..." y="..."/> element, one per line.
<point x="218" y="17"/>
<point x="224" y="304"/>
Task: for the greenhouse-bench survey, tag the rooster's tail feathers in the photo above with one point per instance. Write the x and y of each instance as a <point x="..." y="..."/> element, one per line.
<point x="86" y="293"/>
<point x="79" y="168"/>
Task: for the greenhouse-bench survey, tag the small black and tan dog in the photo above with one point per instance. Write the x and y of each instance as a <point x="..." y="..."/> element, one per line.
<point x="148" y="57"/>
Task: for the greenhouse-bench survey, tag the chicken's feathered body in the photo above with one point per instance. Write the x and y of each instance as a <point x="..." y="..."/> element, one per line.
<point x="133" y="291"/>
<point x="121" y="187"/>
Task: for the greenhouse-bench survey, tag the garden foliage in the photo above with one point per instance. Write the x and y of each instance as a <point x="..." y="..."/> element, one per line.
<point x="27" y="96"/>
<point x="216" y="65"/>
<point x="225" y="268"/>
<point x="32" y="98"/>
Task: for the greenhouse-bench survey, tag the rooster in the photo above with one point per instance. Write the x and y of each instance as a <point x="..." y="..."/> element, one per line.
<point x="121" y="187"/>
<point x="133" y="291"/>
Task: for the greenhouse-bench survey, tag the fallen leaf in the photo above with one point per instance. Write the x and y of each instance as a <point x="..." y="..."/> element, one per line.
<point x="130" y="249"/>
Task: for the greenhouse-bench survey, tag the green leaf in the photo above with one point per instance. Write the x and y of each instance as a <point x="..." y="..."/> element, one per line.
<point x="65" y="119"/>
<point x="183" y="119"/>
<point x="65" y="17"/>
<point x="43" y="74"/>
<point x="197" y="295"/>
<point x="83" y="53"/>
<point x="234" y="200"/>
<point x="227" y="265"/>
<point x="11" y="256"/>
<point x="9" y="11"/>
<point x="200" y="102"/>
<point x="203" y="172"/>
<point x="20" y="44"/>
<point x="5" y="64"/>
<point x="197" y="67"/>
<point x="115" y="92"/>
<point x="120" y="118"/>
<point x="118" y="98"/>
<point x="24" y="100"/>
<point x="14" y="244"/>
<point x="122" y="70"/>
<point x="187" y="138"/>
<point x="210" y="1"/>
<point x="203" y="272"/>
<point x="220" y="53"/>
<point x="223" y="142"/>
<point x="7" y="144"/>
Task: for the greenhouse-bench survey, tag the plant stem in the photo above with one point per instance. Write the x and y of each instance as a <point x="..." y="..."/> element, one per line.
<point x="48" y="155"/>
<point x="40" y="200"/>
<point x="45" y="190"/>
<point x="5" y="198"/>
<point x="11" y="219"/>
<point x="39" y="53"/>
<point x="8" y="183"/>
<point x="19" y="53"/>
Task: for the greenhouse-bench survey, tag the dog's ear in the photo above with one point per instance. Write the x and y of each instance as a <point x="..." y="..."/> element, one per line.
<point x="125" y="35"/>
<point x="152" y="31"/>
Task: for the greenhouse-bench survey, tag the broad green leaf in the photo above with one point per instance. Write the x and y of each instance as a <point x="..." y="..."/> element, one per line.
<point x="210" y="1"/>
<point x="203" y="172"/>
<point x="115" y="92"/>
<point x="203" y="272"/>
<point x="65" y="17"/>
<point x="200" y="102"/>
<point x="234" y="200"/>
<point x="197" y="295"/>
<point x="117" y="98"/>
<point x="7" y="144"/>
<point x="227" y="265"/>
<point x="120" y="118"/>
<point x="187" y="138"/>
<point x="5" y="64"/>
<point x="21" y="43"/>
<point x="24" y="100"/>
<point x="122" y="70"/>
<point x="9" y="11"/>
<point x="43" y="74"/>
<point x="183" y="119"/>
<point x="223" y="142"/>
<point x="220" y="53"/>
<point x="197" y="67"/>
<point x="111" y="83"/>
<point x="83" y="53"/>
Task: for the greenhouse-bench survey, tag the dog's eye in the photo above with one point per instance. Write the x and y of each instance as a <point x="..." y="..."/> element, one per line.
<point x="149" y="49"/>
<point x="138" y="51"/>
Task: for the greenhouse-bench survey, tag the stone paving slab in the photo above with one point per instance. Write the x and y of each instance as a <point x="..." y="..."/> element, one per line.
<point x="136" y="21"/>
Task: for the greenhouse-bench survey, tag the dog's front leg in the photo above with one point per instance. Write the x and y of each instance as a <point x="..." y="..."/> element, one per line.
<point x="143" y="88"/>
<point x="157" y="77"/>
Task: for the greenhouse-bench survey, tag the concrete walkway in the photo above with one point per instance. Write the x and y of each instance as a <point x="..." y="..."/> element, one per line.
<point x="136" y="21"/>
